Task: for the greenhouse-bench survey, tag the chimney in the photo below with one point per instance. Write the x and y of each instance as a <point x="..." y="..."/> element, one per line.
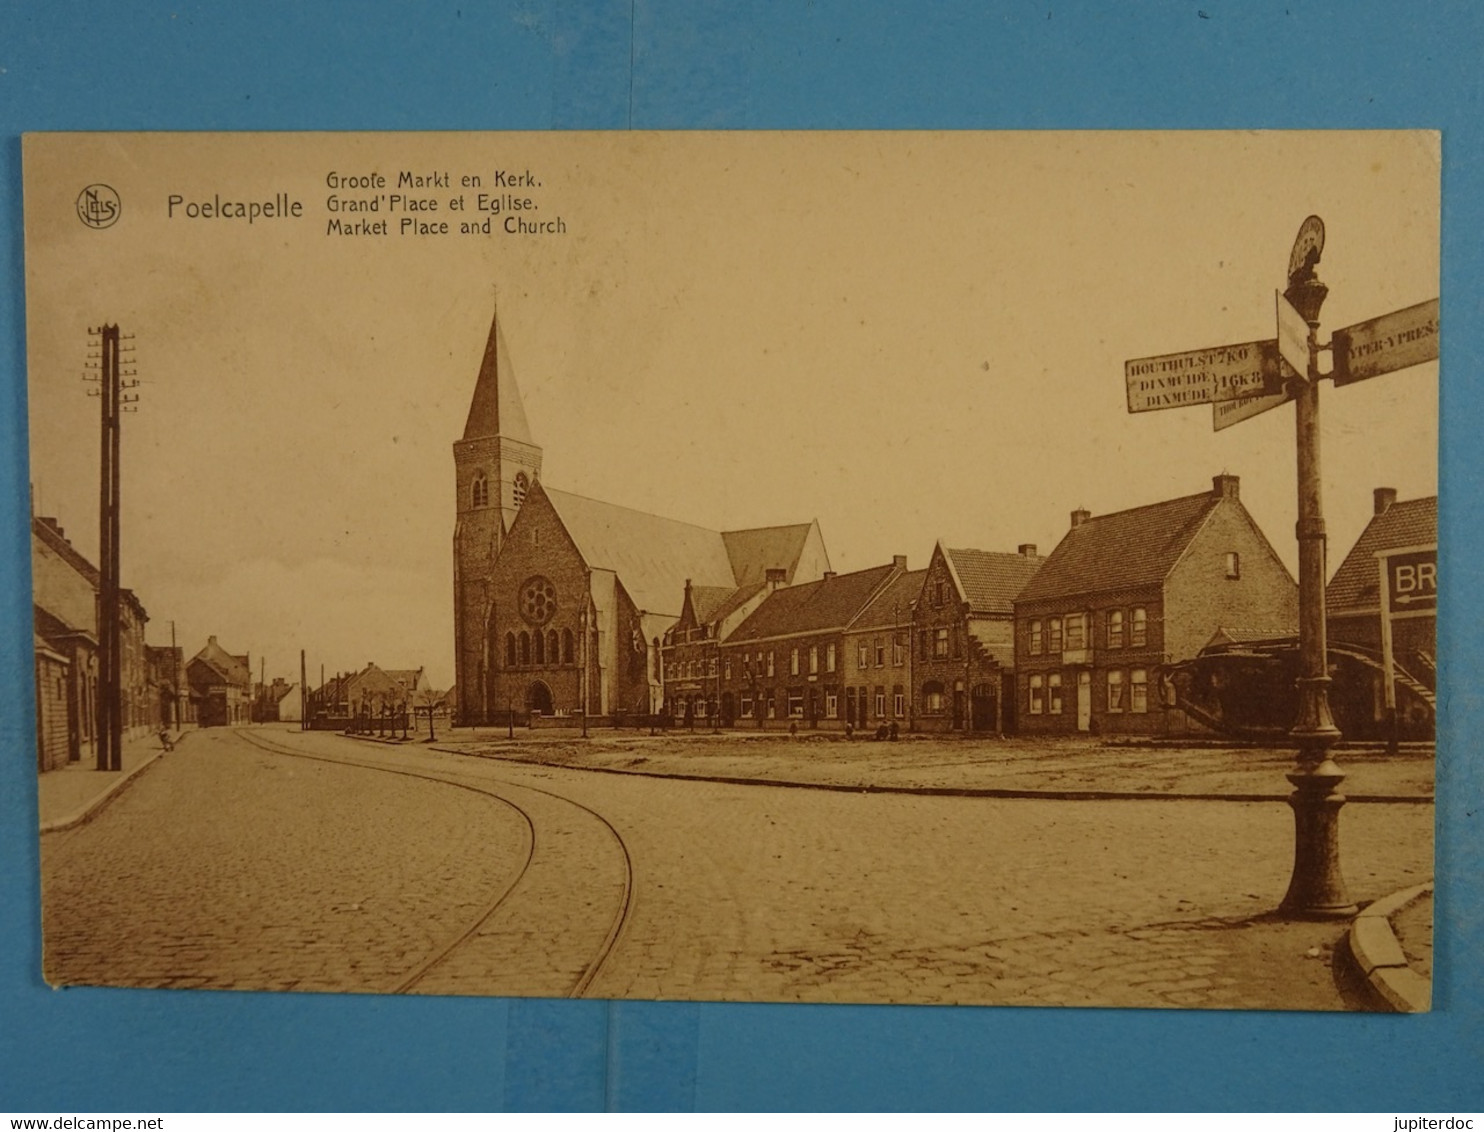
<point x="775" y="576"/>
<point x="1225" y="486"/>
<point x="211" y="640"/>
<point x="1080" y="516"/>
<point x="829" y="574"/>
<point x="1385" y="497"/>
<point x="1026" y="550"/>
<point x="899" y="561"/>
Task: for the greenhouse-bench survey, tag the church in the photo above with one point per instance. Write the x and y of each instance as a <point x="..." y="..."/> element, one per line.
<point x="561" y="602"/>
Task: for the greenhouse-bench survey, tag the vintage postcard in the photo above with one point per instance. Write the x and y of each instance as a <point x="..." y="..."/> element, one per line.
<point x="802" y="567"/>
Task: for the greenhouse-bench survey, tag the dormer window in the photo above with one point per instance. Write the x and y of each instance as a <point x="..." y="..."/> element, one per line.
<point x="519" y="488"/>
<point x="479" y="492"/>
<point x="1233" y="564"/>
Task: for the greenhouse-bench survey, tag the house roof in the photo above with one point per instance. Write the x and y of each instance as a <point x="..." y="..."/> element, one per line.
<point x="754" y="552"/>
<point x="706" y="600"/>
<point x="892" y="606"/>
<point x="232" y="669"/>
<point x="1127" y="548"/>
<point x="1356" y="584"/>
<point x="49" y="531"/>
<point x="496" y="409"/>
<point x="831" y="603"/>
<point x="991" y="580"/>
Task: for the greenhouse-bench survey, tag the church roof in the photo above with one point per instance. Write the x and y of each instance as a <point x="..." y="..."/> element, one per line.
<point x="496" y="408"/>
<point x="1357" y="583"/>
<point x="652" y="556"/>
<point x="753" y="553"/>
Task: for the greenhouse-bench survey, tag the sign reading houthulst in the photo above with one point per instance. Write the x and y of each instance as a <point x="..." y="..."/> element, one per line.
<point x="1196" y="377"/>
<point x="1403" y="338"/>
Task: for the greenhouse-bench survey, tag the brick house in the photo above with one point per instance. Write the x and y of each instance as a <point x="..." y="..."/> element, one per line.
<point x="878" y="655"/>
<point x="221" y="686"/>
<point x="53" y="726"/>
<point x="785" y="665"/>
<point x="964" y="628"/>
<point x="1126" y="593"/>
<point x="1353" y="618"/>
<point x="690" y="649"/>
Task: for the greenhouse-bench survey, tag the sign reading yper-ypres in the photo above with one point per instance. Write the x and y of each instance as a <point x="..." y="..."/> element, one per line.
<point x="1196" y="377"/>
<point x="1392" y="341"/>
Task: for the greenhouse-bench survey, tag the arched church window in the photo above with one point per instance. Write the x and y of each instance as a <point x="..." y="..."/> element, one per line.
<point x="553" y="647"/>
<point x="540" y="647"/>
<point x="519" y="488"/>
<point x="566" y="646"/>
<point x="479" y="492"/>
<point x="525" y="647"/>
<point x="510" y="650"/>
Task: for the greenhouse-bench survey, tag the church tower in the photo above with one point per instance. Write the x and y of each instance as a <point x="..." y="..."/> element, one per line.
<point x="494" y="465"/>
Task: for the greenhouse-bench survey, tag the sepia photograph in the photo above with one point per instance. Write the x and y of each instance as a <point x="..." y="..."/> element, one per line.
<point x="992" y="568"/>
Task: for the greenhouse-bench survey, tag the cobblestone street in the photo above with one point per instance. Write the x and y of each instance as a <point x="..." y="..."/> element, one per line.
<point x="231" y="865"/>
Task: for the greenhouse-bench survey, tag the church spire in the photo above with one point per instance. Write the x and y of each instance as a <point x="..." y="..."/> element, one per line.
<point x="496" y="409"/>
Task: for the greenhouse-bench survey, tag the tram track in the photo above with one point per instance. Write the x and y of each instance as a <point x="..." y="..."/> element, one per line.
<point x="476" y="959"/>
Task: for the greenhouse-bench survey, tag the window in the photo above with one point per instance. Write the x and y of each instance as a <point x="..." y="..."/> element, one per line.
<point x="932" y="697"/>
<point x="479" y="491"/>
<point x="1233" y="564"/>
<point x="898" y="702"/>
<point x="1115" y="691"/>
<point x="772" y="705"/>
<point x="863" y="655"/>
<point x="746" y="668"/>
<point x="519" y="488"/>
<point x="540" y="647"/>
<point x="940" y="644"/>
<point x="1077" y="631"/>
<point x="1138" y="629"/>
<point x="525" y="647"/>
<point x="938" y="593"/>
<point x="813" y="660"/>
<point x="880" y="701"/>
<point x="793" y="662"/>
<point x="829" y="657"/>
<point x="711" y="666"/>
<point x="746" y="705"/>
<point x="510" y="649"/>
<point x="831" y="705"/>
<point x="700" y="708"/>
<point x="880" y="653"/>
<point x="770" y="664"/>
<point x="727" y="673"/>
<point x="896" y="652"/>
<point x="958" y="643"/>
<point x="567" y="646"/>
<point x="1053" y="693"/>
<point x="553" y="647"/>
<point x="1053" y="635"/>
<point x="1035" y="644"/>
<point x="1138" y="690"/>
<point x="1037" y="701"/>
<point x="1115" y="628"/>
<point x="796" y="703"/>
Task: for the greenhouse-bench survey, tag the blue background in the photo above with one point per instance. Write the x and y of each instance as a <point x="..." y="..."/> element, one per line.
<point x="677" y="64"/>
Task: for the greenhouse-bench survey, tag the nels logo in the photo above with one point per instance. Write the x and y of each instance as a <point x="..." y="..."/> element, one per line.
<point x="98" y="206"/>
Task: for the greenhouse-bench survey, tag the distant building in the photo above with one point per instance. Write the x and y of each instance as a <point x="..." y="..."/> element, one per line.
<point x="371" y="691"/>
<point x="278" y="702"/>
<point x="221" y="686"/>
<point x="965" y="630"/>
<point x="1126" y="593"/>
<point x="166" y="666"/>
<point x="690" y="649"/>
<point x="1353" y="611"/>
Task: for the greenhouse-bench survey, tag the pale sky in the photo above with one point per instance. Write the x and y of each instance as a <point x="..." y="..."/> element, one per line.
<point x="905" y="336"/>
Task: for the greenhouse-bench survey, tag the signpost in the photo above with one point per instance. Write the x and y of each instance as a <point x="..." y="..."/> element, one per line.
<point x="1408" y="585"/>
<point x="1409" y="578"/>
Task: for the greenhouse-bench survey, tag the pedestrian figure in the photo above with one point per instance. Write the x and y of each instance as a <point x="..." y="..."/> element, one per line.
<point x="166" y="743"/>
<point x="892" y="735"/>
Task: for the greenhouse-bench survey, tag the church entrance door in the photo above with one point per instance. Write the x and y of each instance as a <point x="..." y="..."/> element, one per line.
<point x="538" y="698"/>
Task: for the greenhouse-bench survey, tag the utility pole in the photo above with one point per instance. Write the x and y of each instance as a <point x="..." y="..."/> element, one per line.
<point x="114" y="402"/>
<point x="175" y="663"/>
<point x="303" y="693"/>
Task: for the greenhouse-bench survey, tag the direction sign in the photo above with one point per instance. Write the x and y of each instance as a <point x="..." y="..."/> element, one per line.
<point x="1411" y="581"/>
<point x="1393" y="341"/>
<point x="1196" y="377"/>
<point x="1224" y="414"/>
<point x="1293" y="336"/>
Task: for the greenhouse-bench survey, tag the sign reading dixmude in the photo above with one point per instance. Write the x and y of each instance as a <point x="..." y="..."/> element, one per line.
<point x="1196" y="377"/>
<point x="1403" y="338"/>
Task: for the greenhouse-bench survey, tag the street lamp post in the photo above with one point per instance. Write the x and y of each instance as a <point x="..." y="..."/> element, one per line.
<point x="1317" y="887"/>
